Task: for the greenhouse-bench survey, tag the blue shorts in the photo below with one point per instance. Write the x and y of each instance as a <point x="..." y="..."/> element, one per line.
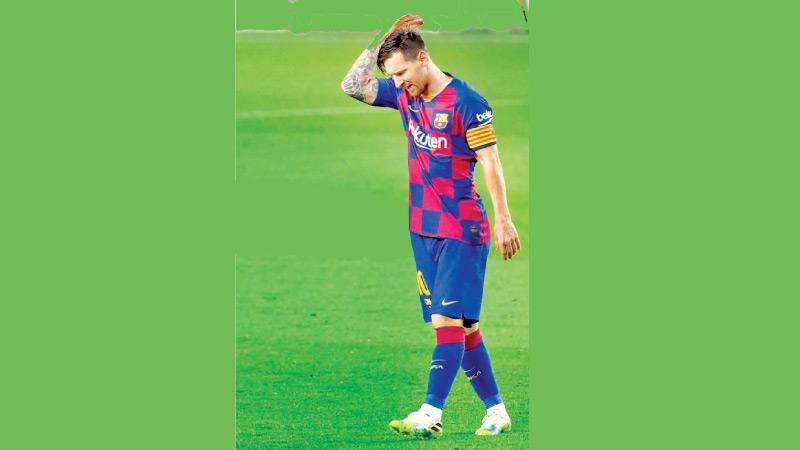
<point x="450" y="277"/>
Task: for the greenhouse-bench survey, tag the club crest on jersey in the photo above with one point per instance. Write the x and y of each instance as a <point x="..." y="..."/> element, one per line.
<point x="440" y="121"/>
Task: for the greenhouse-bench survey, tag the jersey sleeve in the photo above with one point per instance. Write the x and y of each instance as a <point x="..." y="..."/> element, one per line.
<point x="478" y="128"/>
<point x="387" y="93"/>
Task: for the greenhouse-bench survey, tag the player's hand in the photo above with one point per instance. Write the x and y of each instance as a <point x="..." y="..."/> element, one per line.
<point x="406" y="22"/>
<point x="506" y="238"/>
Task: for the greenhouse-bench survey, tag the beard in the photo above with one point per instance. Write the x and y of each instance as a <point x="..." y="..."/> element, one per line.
<point x="414" y="90"/>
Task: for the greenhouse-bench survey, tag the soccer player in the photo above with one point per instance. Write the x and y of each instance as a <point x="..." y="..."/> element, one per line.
<point x="449" y="129"/>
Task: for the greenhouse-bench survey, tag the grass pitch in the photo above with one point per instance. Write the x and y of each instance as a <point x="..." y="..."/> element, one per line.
<point x="330" y="345"/>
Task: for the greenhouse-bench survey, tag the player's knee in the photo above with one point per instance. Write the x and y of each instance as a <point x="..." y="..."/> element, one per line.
<point x="471" y="328"/>
<point x="439" y="321"/>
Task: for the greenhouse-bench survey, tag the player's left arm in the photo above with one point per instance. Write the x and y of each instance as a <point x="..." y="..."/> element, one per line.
<point x="506" y="238"/>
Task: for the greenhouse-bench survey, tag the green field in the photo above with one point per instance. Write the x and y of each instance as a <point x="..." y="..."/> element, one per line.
<point x="329" y="343"/>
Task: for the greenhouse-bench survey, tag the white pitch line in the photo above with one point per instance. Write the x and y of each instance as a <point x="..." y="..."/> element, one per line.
<point x="336" y="111"/>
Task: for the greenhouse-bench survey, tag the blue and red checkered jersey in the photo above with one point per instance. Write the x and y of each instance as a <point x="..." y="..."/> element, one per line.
<point x="443" y="136"/>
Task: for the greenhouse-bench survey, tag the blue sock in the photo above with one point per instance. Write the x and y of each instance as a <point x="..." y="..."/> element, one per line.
<point x="444" y="364"/>
<point x="478" y="368"/>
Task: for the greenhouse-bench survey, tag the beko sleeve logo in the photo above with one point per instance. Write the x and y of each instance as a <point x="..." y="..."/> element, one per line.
<point x="484" y="115"/>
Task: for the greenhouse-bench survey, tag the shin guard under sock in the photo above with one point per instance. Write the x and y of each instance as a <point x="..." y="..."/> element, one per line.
<point x="478" y="368"/>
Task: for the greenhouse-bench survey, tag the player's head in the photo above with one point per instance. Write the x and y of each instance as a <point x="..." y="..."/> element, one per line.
<point x="403" y="56"/>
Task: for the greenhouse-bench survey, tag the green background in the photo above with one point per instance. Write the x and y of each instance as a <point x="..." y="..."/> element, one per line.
<point x="663" y="211"/>
<point x="665" y="247"/>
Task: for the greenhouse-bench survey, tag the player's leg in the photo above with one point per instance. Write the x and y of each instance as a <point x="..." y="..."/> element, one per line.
<point x="449" y="303"/>
<point x="446" y="359"/>
<point x="478" y="368"/>
<point x="426" y="422"/>
<point x="461" y="270"/>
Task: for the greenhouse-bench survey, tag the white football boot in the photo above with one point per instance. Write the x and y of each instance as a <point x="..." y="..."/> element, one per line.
<point x="495" y="421"/>
<point x="422" y="423"/>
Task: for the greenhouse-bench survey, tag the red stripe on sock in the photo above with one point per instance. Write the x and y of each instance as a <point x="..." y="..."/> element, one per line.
<point x="449" y="335"/>
<point x="472" y="340"/>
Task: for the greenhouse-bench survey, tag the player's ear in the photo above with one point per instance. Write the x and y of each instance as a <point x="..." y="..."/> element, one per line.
<point x="422" y="57"/>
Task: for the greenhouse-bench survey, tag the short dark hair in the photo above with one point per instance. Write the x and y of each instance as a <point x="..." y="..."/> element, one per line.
<point x="409" y="42"/>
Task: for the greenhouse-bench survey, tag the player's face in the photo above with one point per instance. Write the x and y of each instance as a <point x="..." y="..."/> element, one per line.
<point x="408" y="73"/>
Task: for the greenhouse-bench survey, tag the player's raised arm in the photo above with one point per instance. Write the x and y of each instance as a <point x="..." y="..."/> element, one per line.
<point x="505" y="234"/>
<point x="360" y="82"/>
